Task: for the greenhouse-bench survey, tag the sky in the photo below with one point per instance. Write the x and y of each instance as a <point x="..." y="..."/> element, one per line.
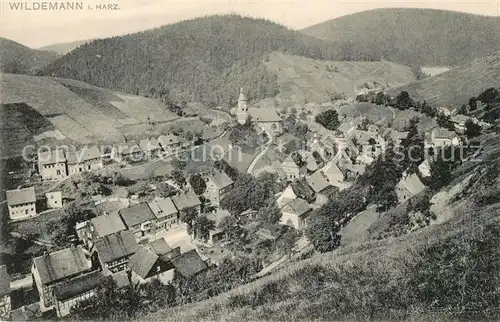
<point x="37" y="28"/>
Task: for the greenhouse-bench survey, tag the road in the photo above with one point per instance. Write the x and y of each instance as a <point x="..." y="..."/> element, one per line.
<point x="261" y="154"/>
<point x="25" y="282"/>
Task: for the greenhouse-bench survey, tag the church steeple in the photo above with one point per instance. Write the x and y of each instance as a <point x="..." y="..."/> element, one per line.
<point x="242" y="102"/>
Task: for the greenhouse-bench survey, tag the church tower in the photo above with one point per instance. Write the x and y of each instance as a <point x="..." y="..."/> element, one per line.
<point x="242" y="112"/>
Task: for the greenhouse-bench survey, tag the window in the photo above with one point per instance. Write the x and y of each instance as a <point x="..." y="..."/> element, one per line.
<point x="58" y="172"/>
<point x="26" y="211"/>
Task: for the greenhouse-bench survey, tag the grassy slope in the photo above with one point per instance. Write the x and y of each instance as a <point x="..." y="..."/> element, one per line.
<point x="16" y="58"/>
<point x="414" y="36"/>
<point x="304" y="79"/>
<point x="447" y="270"/>
<point x="456" y="86"/>
<point x="82" y="112"/>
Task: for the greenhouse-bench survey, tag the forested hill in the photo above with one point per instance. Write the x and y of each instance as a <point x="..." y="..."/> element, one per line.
<point x="415" y="36"/>
<point x="19" y="59"/>
<point x="205" y="59"/>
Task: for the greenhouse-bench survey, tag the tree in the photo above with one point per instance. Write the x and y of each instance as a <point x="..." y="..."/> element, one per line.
<point x="472" y="129"/>
<point x="445" y="121"/>
<point x="178" y="177"/>
<point x="322" y="231"/>
<point x="473" y="103"/>
<point x="202" y="227"/>
<point x="404" y="101"/>
<point x="188" y="217"/>
<point x="329" y="119"/>
<point x="463" y="110"/>
<point x="164" y="190"/>
<point x="229" y="226"/>
<point x="287" y="241"/>
<point x="198" y="184"/>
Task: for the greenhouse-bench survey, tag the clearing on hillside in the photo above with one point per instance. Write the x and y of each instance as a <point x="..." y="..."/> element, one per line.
<point x="302" y="79"/>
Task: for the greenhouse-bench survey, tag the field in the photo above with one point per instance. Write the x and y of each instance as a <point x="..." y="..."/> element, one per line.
<point x="303" y="80"/>
<point x="456" y="86"/>
<point x="82" y="112"/>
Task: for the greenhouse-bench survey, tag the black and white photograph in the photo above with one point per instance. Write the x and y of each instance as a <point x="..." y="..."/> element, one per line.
<point x="249" y="160"/>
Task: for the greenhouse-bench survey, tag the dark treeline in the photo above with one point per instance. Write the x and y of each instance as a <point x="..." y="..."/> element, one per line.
<point x="203" y="59"/>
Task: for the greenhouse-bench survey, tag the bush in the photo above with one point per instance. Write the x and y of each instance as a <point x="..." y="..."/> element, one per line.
<point x="329" y="119"/>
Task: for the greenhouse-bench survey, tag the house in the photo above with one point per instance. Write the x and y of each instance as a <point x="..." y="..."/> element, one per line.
<point x="145" y="266"/>
<point x="68" y="293"/>
<point x="302" y="190"/>
<point x="216" y="235"/>
<point x="287" y="196"/>
<point x="267" y="119"/>
<point x="165" y="212"/>
<point x="161" y="248"/>
<point x="127" y="152"/>
<point x="139" y="218"/>
<point x="52" y="164"/>
<point x="311" y="163"/>
<point x="21" y="203"/>
<point x="86" y="159"/>
<point x="395" y="136"/>
<point x="189" y="264"/>
<point x="425" y="169"/>
<point x="334" y="175"/>
<point x="186" y="201"/>
<point x="295" y="214"/>
<point x="5" y="306"/>
<point x="49" y="270"/>
<point x="320" y="184"/>
<point x="218" y="184"/>
<point x="170" y="143"/>
<point x="441" y="138"/>
<point x="352" y="171"/>
<point x="113" y="252"/>
<point x="409" y="186"/>
<point x="347" y="127"/>
<point x="276" y="166"/>
<point x="150" y="147"/>
<point x="98" y="227"/>
<point x="121" y="279"/>
<point x="26" y="312"/>
<point x="291" y="169"/>
<point x="54" y="199"/>
<point x="268" y="232"/>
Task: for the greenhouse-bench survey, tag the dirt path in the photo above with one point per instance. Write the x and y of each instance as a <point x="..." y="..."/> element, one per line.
<point x="261" y="154"/>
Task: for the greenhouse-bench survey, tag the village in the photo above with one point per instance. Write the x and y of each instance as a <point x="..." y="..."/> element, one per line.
<point x="182" y="225"/>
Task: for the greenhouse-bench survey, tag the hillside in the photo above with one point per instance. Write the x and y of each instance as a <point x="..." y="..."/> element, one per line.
<point x="441" y="272"/>
<point x="19" y="59"/>
<point x="304" y="79"/>
<point x="62" y="109"/>
<point x="203" y="59"/>
<point x="456" y="86"/>
<point x="414" y="36"/>
<point x="64" y="48"/>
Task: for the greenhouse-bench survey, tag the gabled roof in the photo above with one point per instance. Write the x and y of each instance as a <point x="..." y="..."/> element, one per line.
<point x="149" y="144"/>
<point x="160" y="246"/>
<point x="298" y="206"/>
<point x="116" y="246"/>
<point x="78" y="285"/>
<point x="189" y="263"/>
<point x="264" y="114"/>
<point x="439" y="133"/>
<point x="287" y="196"/>
<point x="163" y="207"/>
<point x="21" y="196"/>
<point x="318" y="182"/>
<point x="107" y="224"/>
<point x="311" y="163"/>
<point x="121" y="279"/>
<point x="61" y="264"/>
<point x="333" y="172"/>
<point x="142" y="261"/>
<point x="220" y="179"/>
<point x="4" y="281"/>
<point x="412" y="184"/>
<point x="169" y="139"/>
<point x="186" y="200"/>
<point x="51" y="157"/>
<point x="85" y="154"/>
<point x="127" y="148"/>
<point x="136" y="214"/>
<point x="289" y="162"/>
